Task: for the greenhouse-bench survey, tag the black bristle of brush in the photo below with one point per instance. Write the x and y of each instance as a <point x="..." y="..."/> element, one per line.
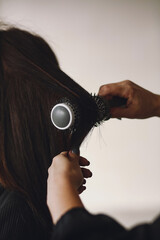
<point x="103" y="109"/>
<point x="76" y="110"/>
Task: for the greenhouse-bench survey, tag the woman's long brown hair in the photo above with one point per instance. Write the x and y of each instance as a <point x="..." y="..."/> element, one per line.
<point x="31" y="82"/>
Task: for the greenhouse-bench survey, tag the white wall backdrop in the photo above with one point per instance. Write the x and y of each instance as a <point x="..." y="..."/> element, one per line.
<point x="98" y="42"/>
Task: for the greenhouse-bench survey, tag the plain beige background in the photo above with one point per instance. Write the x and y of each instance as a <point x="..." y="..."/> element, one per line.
<point x="98" y="42"/>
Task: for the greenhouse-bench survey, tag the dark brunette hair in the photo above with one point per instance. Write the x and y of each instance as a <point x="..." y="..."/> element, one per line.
<point x="31" y="82"/>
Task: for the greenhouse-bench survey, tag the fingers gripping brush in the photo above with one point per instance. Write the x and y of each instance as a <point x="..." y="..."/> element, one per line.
<point x="66" y="114"/>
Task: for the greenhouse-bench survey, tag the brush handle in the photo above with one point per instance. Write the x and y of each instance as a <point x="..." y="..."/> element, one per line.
<point x="76" y="151"/>
<point x="117" y="102"/>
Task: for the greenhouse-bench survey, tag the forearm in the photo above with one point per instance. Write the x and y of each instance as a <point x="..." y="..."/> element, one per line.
<point x="65" y="197"/>
<point x="157" y="106"/>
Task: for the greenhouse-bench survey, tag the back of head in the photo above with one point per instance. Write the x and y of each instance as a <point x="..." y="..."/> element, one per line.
<point x="31" y="82"/>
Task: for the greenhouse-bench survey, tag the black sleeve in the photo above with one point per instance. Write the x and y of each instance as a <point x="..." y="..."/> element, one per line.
<point x="80" y="224"/>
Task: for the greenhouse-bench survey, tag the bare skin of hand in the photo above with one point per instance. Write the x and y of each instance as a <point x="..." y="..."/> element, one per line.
<point x="67" y="166"/>
<point x="141" y="103"/>
<point x="65" y="181"/>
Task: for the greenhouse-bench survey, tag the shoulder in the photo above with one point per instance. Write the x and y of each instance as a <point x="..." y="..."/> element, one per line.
<point x="16" y="217"/>
<point x="13" y="203"/>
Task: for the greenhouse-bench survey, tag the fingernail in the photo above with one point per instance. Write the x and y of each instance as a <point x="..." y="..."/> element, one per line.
<point x="88" y="163"/>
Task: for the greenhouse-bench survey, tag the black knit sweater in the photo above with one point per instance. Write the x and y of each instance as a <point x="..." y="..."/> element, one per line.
<point x="17" y="220"/>
<point x="78" y="224"/>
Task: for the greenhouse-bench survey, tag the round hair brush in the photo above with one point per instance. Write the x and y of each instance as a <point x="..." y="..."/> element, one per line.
<point x="66" y="114"/>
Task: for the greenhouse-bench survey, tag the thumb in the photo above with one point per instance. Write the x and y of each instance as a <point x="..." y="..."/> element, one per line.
<point x="111" y="89"/>
<point x="73" y="156"/>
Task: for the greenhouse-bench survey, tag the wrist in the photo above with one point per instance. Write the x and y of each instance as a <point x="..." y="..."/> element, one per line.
<point x="157" y="105"/>
<point x="64" y="197"/>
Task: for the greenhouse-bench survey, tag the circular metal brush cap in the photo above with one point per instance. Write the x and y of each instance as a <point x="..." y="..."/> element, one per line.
<point x="62" y="116"/>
